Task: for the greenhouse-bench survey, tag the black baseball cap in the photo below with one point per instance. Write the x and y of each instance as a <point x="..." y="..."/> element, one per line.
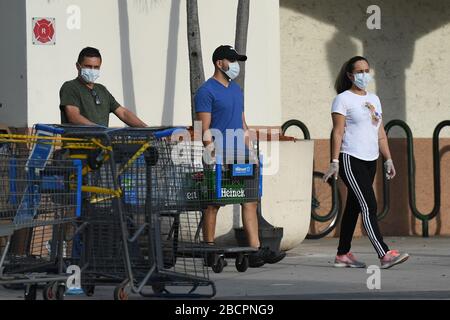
<point x="227" y="52"/>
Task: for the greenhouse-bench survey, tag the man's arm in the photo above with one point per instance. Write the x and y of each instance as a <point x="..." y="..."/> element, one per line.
<point x="250" y="135"/>
<point x="250" y="139"/>
<point x="129" y="117"/>
<point x="75" y="117"/>
<point x="209" y="153"/>
<point x="205" y="118"/>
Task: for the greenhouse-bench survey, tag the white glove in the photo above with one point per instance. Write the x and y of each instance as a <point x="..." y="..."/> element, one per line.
<point x="253" y="157"/>
<point x="333" y="170"/>
<point x="389" y="169"/>
<point x="209" y="154"/>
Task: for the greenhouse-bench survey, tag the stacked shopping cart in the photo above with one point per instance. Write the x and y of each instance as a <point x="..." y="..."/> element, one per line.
<point x="40" y="199"/>
<point x="123" y="205"/>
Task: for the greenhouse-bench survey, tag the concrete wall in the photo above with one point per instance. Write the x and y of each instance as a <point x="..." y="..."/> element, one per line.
<point x="146" y="67"/>
<point x="144" y="46"/>
<point x="409" y="57"/>
<point x="13" y="66"/>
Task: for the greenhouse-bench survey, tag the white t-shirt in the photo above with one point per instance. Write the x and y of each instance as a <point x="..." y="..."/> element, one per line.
<point x="363" y="117"/>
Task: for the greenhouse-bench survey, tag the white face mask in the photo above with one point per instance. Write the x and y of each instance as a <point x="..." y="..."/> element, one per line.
<point x="362" y="80"/>
<point x="233" y="70"/>
<point x="90" y="75"/>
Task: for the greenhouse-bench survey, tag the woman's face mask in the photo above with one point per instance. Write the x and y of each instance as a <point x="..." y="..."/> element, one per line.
<point x="362" y="80"/>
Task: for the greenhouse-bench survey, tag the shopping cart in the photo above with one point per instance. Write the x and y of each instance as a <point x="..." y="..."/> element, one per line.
<point x="136" y="230"/>
<point x="161" y="223"/>
<point x="40" y="198"/>
<point x="235" y="182"/>
<point x="97" y="238"/>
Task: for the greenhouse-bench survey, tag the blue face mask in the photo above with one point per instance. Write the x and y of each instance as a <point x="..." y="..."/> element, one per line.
<point x="362" y="80"/>
<point x="90" y="75"/>
<point x="233" y="70"/>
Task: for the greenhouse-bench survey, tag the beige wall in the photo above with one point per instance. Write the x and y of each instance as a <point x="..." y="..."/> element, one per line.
<point x="410" y="60"/>
<point x="144" y="46"/>
<point x="13" y="82"/>
<point x="409" y="56"/>
<point x="145" y="66"/>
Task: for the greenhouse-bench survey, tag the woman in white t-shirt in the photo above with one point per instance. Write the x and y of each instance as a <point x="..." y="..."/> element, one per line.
<point x="358" y="137"/>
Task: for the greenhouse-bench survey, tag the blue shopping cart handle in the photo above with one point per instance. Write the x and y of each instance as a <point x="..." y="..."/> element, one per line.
<point x="167" y="132"/>
<point x="79" y="167"/>
<point x="111" y="130"/>
<point x="219" y="176"/>
<point x="77" y="126"/>
<point x="49" y="128"/>
<point x="260" y="178"/>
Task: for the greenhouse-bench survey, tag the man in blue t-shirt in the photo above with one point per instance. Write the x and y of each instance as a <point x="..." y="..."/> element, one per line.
<point x="219" y="105"/>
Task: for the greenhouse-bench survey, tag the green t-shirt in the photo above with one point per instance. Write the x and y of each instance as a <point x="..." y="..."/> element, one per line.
<point x="95" y="105"/>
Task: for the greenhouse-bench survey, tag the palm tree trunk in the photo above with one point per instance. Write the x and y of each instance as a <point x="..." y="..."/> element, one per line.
<point x="197" y="74"/>
<point x="243" y="13"/>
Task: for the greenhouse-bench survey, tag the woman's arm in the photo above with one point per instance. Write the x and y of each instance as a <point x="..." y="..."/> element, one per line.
<point x="336" y="142"/>
<point x="337" y="134"/>
<point x="383" y="142"/>
<point x="384" y="149"/>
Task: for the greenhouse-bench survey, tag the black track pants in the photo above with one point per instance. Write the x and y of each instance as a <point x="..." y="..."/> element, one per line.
<point x="358" y="176"/>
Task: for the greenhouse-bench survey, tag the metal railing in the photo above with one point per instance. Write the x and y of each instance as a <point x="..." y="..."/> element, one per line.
<point x="424" y="217"/>
<point x="334" y="213"/>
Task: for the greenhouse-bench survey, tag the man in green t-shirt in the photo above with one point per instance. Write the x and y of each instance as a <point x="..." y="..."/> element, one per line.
<point x="84" y="102"/>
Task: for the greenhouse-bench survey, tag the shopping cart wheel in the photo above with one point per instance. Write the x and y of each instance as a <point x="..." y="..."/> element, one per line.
<point x="158" y="288"/>
<point x="120" y="293"/>
<point x="49" y="291"/>
<point x="242" y="263"/>
<point x="30" y="292"/>
<point x="89" y="290"/>
<point x="54" y="291"/>
<point x="60" y="291"/>
<point x="219" y="264"/>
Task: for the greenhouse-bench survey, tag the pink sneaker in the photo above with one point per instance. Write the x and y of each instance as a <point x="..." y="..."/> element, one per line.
<point x="348" y="261"/>
<point x="392" y="258"/>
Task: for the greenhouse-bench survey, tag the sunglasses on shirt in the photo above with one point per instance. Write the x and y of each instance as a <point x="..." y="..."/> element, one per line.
<point x="96" y="97"/>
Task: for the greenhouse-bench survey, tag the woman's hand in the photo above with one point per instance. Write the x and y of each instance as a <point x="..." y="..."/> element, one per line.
<point x="389" y="169"/>
<point x="333" y="170"/>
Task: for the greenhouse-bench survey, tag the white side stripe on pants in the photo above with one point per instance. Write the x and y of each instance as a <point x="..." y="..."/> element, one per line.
<point x="363" y="204"/>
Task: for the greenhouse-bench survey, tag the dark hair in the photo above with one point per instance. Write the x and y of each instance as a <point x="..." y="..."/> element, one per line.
<point x="343" y="83"/>
<point x="90" y="53"/>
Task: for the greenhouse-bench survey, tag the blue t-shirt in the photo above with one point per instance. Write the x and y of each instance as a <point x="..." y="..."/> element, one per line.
<point x="226" y="105"/>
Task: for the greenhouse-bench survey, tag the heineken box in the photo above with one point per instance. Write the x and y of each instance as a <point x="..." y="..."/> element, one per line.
<point x="222" y="185"/>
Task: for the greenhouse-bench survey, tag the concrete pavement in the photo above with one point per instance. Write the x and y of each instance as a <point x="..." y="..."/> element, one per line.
<point x="308" y="273"/>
